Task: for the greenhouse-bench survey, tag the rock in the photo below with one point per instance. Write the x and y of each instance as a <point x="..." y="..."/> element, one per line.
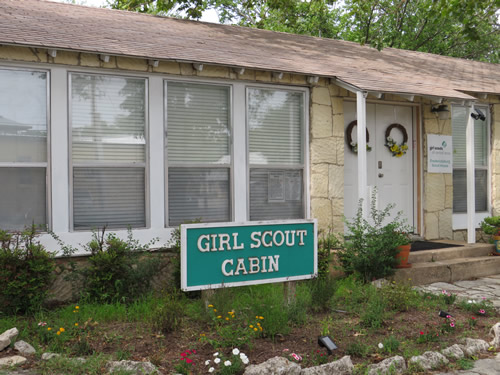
<point x="473" y="346"/>
<point x="343" y="366"/>
<point x="394" y="365"/>
<point x="24" y="348"/>
<point x="495" y="332"/>
<point x="12" y="361"/>
<point x="8" y="337"/>
<point x="453" y="352"/>
<point x="139" y="368"/>
<point x="429" y="360"/>
<point x="47" y="356"/>
<point x="274" y="366"/>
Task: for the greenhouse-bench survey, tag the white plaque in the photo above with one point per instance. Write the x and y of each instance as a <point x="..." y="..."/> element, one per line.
<point x="439" y="153"/>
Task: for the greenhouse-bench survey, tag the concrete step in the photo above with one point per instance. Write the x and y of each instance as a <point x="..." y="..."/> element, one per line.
<point x="449" y="265"/>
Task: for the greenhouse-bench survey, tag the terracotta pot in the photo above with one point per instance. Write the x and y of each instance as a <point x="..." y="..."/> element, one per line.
<point x="403" y="255"/>
<point x="496" y="241"/>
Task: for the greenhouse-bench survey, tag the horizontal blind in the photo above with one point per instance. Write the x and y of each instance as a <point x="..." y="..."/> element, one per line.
<point x="108" y="118"/>
<point x="276" y="126"/>
<point x="23" y="116"/>
<point x="276" y="194"/>
<point x="198" y="119"/>
<point x="112" y="197"/>
<point x="460" y="190"/>
<point x="22" y="197"/>
<point x="198" y="193"/>
<point x="459" y="128"/>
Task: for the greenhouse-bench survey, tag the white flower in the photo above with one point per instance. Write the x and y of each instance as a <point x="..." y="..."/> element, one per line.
<point x="242" y="355"/>
<point x="211" y="369"/>
<point x="207" y="362"/>
<point x="227" y="363"/>
<point x="380" y="345"/>
<point x="245" y="360"/>
<point x="216" y="354"/>
<point x="236" y="351"/>
<point x="217" y="360"/>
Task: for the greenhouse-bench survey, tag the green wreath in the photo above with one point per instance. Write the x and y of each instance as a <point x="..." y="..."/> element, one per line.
<point x="397" y="150"/>
<point x="354" y="145"/>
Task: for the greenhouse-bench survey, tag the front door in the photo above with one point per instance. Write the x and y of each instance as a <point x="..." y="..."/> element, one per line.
<point x="390" y="172"/>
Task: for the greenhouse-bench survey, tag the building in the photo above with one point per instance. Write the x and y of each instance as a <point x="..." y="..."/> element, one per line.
<point x="124" y="119"/>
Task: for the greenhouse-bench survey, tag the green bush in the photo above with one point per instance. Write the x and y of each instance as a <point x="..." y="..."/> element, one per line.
<point x="167" y="316"/>
<point x="370" y="246"/>
<point x="26" y="271"/>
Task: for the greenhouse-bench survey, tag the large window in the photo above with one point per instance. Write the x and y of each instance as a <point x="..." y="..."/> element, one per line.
<point x="459" y="125"/>
<point x="199" y="152"/>
<point x="108" y="122"/>
<point x="276" y="153"/>
<point x="23" y="148"/>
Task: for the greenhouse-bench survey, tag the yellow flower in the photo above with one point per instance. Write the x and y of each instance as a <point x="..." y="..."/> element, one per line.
<point x="74" y="311"/>
<point x="61" y="329"/>
<point x="77" y="307"/>
<point x="210" y="305"/>
<point x="76" y="324"/>
<point x="255" y="329"/>
<point x="218" y="316"/>
<point x="215" y="310"/>
<point x="394" y="148"/>
<point x="261" y="317"/>
<point x="202" y="334"/>
<point x="227" y="318"/>
<point x="251" y="326"/>
<point x="404" y="147"/>
<point x="49" y="329"/>
<point x="260" y="328"/>
<point x="58" y="333"/>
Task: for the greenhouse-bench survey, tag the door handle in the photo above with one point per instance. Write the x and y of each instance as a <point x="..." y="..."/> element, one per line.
<point x="380" y="175"/>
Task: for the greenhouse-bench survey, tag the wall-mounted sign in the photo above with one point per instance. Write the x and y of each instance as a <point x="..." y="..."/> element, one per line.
<point x="439" y="153"/>
<point x="234" y="254"/>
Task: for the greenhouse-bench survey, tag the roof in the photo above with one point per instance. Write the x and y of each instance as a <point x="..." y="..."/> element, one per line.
<point x="37" y="23"/>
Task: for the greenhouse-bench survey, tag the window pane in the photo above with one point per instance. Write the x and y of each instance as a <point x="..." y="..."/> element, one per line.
<point x="459" y="128"/>
<point x="198" y="193"/>
<point x="23" y="116"/>
<point x="460" y="190"/>
<point x="276" y="194"/>
<point x="198" y="123"/>
<point x="108" y="196"/>
<point x="108" y="118"/>
<point x="276" y="123"/>
<point x="22" y="197"/>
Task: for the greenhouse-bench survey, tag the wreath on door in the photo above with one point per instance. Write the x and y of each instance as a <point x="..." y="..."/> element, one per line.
<point x="354" y="145"/>
<point x="396" y="149"/>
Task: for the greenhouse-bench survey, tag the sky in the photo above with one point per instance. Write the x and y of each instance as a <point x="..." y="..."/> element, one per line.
<point x="208" y="16"/>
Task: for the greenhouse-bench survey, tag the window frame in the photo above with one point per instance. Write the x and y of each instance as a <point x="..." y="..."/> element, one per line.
<point x="459" y="219"/>
<point x="229" y="166"/>
<point x="303" y="167"/>
<point x="48" y="163"/>
<point x="144" y="164"/>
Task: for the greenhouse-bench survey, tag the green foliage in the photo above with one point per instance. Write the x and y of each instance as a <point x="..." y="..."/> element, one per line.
<point x="168" y="314"/>
<point x="322" y="290"/>
<point x="118" y="270"/>
<point x="478" y="307"/>
<point x="26" y="271"/>
<point x="491" y="226"/>
<point x="401" y="296"/>
<point x="465" y="363"/>
<point x="373" y="314"/>
<point x="326" y="243"/>
<point x="94" y="365"/>
<point x="370" y="245"/>
<point x="357" y="349"/>
<point x="391" y="344"/>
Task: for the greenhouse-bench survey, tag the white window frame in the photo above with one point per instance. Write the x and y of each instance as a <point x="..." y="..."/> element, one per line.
<point x="304" y="166"/>
<point x="459" y="220"/>
<point x="144" y="164"/>
<point x="46" y="164"/>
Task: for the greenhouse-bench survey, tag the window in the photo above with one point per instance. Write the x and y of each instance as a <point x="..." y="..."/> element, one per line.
<point x="459" y="125"/>
<point x="23" y="148"/>
<point x="276" y="153"/>
<point x="108" y="151"/>
<point x="198" y="152"/>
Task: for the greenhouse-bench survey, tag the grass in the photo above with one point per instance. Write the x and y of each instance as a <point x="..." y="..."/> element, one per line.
<point x="255" y="319"/>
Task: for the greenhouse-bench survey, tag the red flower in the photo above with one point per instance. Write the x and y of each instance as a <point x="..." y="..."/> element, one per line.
<point x="183" y="354"/>
<point x="473" y="318"/>
<point x="421" y="332"/>
<point x="189" y="360"/>
<point x="194" y="351"/>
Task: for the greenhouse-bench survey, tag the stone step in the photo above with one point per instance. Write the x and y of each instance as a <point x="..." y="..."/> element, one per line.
<point x="449" y="270"/>
<point x="465" y="251"/>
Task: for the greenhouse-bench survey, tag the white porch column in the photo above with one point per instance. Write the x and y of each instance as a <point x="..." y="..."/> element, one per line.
<point x="361" y="133"/>
<point x="471" y="189"/>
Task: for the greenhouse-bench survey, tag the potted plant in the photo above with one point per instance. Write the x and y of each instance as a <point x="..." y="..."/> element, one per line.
<point x="404" y="250"/>
<point x="491" y="226"/>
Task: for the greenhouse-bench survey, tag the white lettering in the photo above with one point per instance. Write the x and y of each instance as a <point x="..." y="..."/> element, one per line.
<point x="241" y="267"/>
<point x="214" y="246"/>
<point x="253" y="236"/>
<point x="204" y="247"/>
<point x="224" y="240"/>
<point x="235" y="242"/>
<point x="276" y="243"/>
<point x="273" y="263"/>
<point x="288" y="243"/>
<point x="266" y="244"/>
<point x="224" y="272"/>
<point x="254" y="265"/>
<point x="301" y="234"/>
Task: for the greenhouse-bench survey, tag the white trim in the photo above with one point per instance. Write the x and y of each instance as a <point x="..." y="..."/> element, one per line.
<point x="239" y="155"/>
<point x="471" y="188"/>
<point x="459" y="221"/>
<point x="362" y="165"/>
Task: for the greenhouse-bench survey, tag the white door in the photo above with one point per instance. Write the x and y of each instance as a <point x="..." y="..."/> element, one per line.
<point x="391" y="175"/>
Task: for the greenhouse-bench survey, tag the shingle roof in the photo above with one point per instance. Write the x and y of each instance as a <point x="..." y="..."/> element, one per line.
<point x="45" y="24"/>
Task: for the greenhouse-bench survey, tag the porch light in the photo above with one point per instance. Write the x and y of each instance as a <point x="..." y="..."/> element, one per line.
<point x="327" y="342"/>
<point x="441" y="111"/>
<point x="479" y="115"/>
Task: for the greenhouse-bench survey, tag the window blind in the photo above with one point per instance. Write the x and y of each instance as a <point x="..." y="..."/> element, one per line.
<point x="275" y="122"/>
<point x="112" y="197"/>
<point x="198" y="123"/>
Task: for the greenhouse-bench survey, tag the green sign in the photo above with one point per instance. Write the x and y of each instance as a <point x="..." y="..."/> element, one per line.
<point x="234" y="254"/>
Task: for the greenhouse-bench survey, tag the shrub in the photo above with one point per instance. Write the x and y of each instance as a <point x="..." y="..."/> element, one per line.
<point x="26" y="271"/>
<point x="370" y="246"/>
<point x="167" y="316"/>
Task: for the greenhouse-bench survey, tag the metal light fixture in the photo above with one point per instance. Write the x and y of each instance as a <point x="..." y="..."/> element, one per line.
<point x="441" y="111"/>
<point x="444" y="314"/>
<point x="327" y="342"/>
<point x="479" y="115"/>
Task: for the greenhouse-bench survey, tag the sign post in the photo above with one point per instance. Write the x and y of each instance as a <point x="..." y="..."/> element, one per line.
<point x="235" y="254"/>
